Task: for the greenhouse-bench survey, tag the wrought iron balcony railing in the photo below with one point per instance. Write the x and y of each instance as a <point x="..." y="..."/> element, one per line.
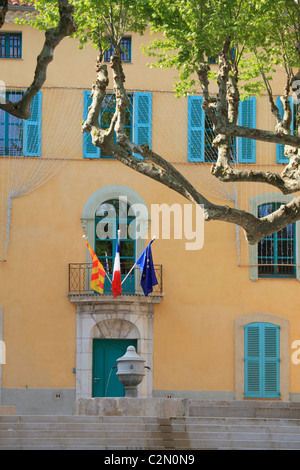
<point x="80" y="276"/>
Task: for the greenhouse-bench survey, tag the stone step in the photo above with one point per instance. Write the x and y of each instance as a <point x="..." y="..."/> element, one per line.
<point x="135" y="433"/>
<point x="125" y="420"/>
<point x="108" y="427"/>
<point x="275" y="428"/>
<point x="128" y="444"/>
<point x="127" y="441"/>
<point x="257" y="424"/>
<point x="190" y="435"/>
<point x="246" y="409"/>
<point x="77" y="419"/>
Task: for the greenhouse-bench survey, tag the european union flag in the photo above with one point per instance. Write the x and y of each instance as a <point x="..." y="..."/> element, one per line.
<point x="145" y="263"/>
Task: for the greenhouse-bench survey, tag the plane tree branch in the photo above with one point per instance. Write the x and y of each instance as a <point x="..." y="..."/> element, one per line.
<point x="3" y="11"/>
<point x="157" y="168"/>
<point x="53" y="36"/>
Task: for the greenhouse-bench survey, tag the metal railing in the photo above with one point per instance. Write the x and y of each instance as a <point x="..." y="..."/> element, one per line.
<point x="80" y="276"/>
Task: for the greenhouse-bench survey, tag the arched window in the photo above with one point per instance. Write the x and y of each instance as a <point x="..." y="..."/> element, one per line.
<point x="107" y="209"/>
<point x="112" y="216"/>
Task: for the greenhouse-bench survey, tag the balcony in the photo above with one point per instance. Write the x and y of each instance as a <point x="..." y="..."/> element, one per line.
<point x="80" y="275"/>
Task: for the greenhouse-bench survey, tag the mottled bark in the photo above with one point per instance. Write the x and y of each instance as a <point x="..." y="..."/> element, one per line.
<point x="53" y="37"/>
<point x="3" y="11"/>
<point x="225" y="117"/>
<point x="223" y="127"/>
<point x="228" y="104"/>
<point x="227" y="175"/>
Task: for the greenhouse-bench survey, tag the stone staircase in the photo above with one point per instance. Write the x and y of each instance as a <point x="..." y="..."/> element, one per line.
<point x="148" y="433"/>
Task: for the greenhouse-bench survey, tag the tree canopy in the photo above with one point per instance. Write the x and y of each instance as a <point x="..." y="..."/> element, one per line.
<point x="252" y="39"/>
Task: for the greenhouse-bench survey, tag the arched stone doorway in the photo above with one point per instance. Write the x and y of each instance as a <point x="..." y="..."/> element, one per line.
<point x="127" y="317"/>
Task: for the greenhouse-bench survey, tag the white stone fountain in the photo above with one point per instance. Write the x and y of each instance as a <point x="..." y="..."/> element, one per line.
<point x="131" y="371"/>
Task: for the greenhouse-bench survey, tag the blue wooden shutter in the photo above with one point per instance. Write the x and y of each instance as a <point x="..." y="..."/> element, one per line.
<point x="33" y="128"/>
<point x="196" y="129"/>
<point x="280" y="157"/>
<point x="2" y="132"/>
<point x="89" y="149"/>
<point x="247" y="118"/>
<point x="142" y="118"/>
<point x="252" y="365"/>
<point x="271" y="361"/>
<point x="262" y="358"/>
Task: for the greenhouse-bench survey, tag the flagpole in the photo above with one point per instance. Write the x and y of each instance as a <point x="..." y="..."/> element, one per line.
<point x="135" y="263"/>
<point x="128" y="273"/>
<point x="116" y="286"/>
<point x="106" y="262"/>
<point x="108" y="277"/>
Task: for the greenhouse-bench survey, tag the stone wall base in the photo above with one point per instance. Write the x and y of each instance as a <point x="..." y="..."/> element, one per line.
<point x="160" y="407"/>
<point x="7" y="410"/>
<point x="183" y="407"/>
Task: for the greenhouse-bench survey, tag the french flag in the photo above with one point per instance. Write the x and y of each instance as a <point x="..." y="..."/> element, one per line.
<point x="116" y="282"/>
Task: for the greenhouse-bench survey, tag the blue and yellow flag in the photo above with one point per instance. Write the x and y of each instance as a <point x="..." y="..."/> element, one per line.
<point x="145" y="263"/>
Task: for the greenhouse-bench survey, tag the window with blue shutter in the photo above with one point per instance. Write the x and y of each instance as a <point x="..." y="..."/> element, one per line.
<point x="106" y="115"/>
<point x="142" y="118"/>
<point x="196" y="129"/>
<point x="280" y="157"/>
<point x="2" y="133"/>
<point x="262" y="359"/>
<point x="247" y="118"/>
<point x="11" y="129"/>
<point x="18" y="136"/>
<point x="201" y="134"/>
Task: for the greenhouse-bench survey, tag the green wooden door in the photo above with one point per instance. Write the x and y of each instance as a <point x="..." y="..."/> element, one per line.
<point x="105" y="355"/>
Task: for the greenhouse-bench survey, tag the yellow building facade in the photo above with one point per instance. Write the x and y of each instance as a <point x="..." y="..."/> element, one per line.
<point x="220" y="324"/>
